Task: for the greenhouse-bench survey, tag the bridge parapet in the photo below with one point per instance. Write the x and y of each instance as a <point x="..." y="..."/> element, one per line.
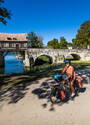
<point x="59" y="53"/>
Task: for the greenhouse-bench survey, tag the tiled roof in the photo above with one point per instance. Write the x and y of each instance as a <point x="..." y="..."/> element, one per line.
<point x="13" y="37"/>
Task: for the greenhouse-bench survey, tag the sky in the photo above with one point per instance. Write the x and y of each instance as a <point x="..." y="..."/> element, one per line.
<point x="47" y="18"/>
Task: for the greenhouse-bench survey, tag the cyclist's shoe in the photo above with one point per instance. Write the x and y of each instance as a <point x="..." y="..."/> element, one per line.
<point x="72" y="95"/>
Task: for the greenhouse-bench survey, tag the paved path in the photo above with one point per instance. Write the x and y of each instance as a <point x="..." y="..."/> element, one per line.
<point x="30" y="107"/>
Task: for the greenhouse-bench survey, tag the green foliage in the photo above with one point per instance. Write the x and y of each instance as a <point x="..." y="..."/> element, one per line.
<point x="63" y="43"/>
<point x="83" y="36"/>
<point x="43" y="60"/>
<point x="53" y="44"/>
<point x="69" y="57"/>
<point x="34" y="41"/>
<point x="76" y="57"/>
<point x="74" y="43"/>
<point x="73" y="57"/>
<point x="4" y="13"/>
<point x="70" y="44"/>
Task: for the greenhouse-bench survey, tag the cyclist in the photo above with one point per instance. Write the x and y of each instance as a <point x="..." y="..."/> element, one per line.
<point x="69" y="70"/>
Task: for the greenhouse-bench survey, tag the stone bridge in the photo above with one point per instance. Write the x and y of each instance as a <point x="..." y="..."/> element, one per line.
<point x="57" y="55"/>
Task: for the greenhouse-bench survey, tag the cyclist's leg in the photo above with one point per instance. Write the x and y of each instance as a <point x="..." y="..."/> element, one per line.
<point x="72" y="87"/>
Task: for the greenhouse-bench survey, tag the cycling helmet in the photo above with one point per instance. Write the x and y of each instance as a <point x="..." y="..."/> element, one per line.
<point x="67" y="61"/>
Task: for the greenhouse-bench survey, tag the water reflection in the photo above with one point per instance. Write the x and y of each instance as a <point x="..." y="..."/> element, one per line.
<point x="12" y="65"/>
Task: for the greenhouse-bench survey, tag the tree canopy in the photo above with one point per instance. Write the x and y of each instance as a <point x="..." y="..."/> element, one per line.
<point x="63" y="43"/>
<point x="53" y="44"/>
<point x="34" y="41"/>
<point x="82" y="39"/>
<point x="4" y="13"/>
<point x="83" y="36"/>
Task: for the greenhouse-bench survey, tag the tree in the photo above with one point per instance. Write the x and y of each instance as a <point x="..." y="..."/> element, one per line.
<point x="69" y="44"/>
<point x="53" y="44"/>
<point x="40" y="42"/>
<point x="4" y="13"/>
<point x="63" y="43"/>
<point x="74" y="43"/>
<point x="34" y="41"/>
<point x="83" y="36"/>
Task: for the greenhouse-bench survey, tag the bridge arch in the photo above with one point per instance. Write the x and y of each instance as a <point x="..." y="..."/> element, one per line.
<point x="42" y="59"/>
<point x="73" y="56"/>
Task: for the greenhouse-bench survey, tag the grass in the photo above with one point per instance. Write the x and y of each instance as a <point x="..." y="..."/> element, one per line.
<point x="8" y="81"/>
<point x="79" y="61"/>
<point x="81" y="64"/>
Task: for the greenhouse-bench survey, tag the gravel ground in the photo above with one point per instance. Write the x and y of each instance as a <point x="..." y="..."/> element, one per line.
<point x="29" y="106"/>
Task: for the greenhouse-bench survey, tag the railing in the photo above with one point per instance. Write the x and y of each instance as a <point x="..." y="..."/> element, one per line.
<point x="12" y="48"/>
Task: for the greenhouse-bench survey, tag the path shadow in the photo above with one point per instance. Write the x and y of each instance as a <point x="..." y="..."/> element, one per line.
<point x="42" y="92"/>
<point x="14" y="87"/>
<point x="81" y="90"/>
<point x="18" y="89"/>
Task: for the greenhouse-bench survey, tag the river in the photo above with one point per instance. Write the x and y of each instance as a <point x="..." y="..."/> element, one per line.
<point x="12" y="65"/>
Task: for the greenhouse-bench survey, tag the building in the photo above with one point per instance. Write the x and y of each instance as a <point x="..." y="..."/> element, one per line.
<point x="11" y="40"/>
<point x="70" y="47"/>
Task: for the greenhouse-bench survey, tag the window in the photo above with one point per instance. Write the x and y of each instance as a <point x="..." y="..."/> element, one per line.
<point x="6" y="44"/>
<point x="27" y="37"/>
<point x="17" y="46"/>
<point x="14" y="38"/>
<point x="25" y="45"/>
<point x="9" y="38"/>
